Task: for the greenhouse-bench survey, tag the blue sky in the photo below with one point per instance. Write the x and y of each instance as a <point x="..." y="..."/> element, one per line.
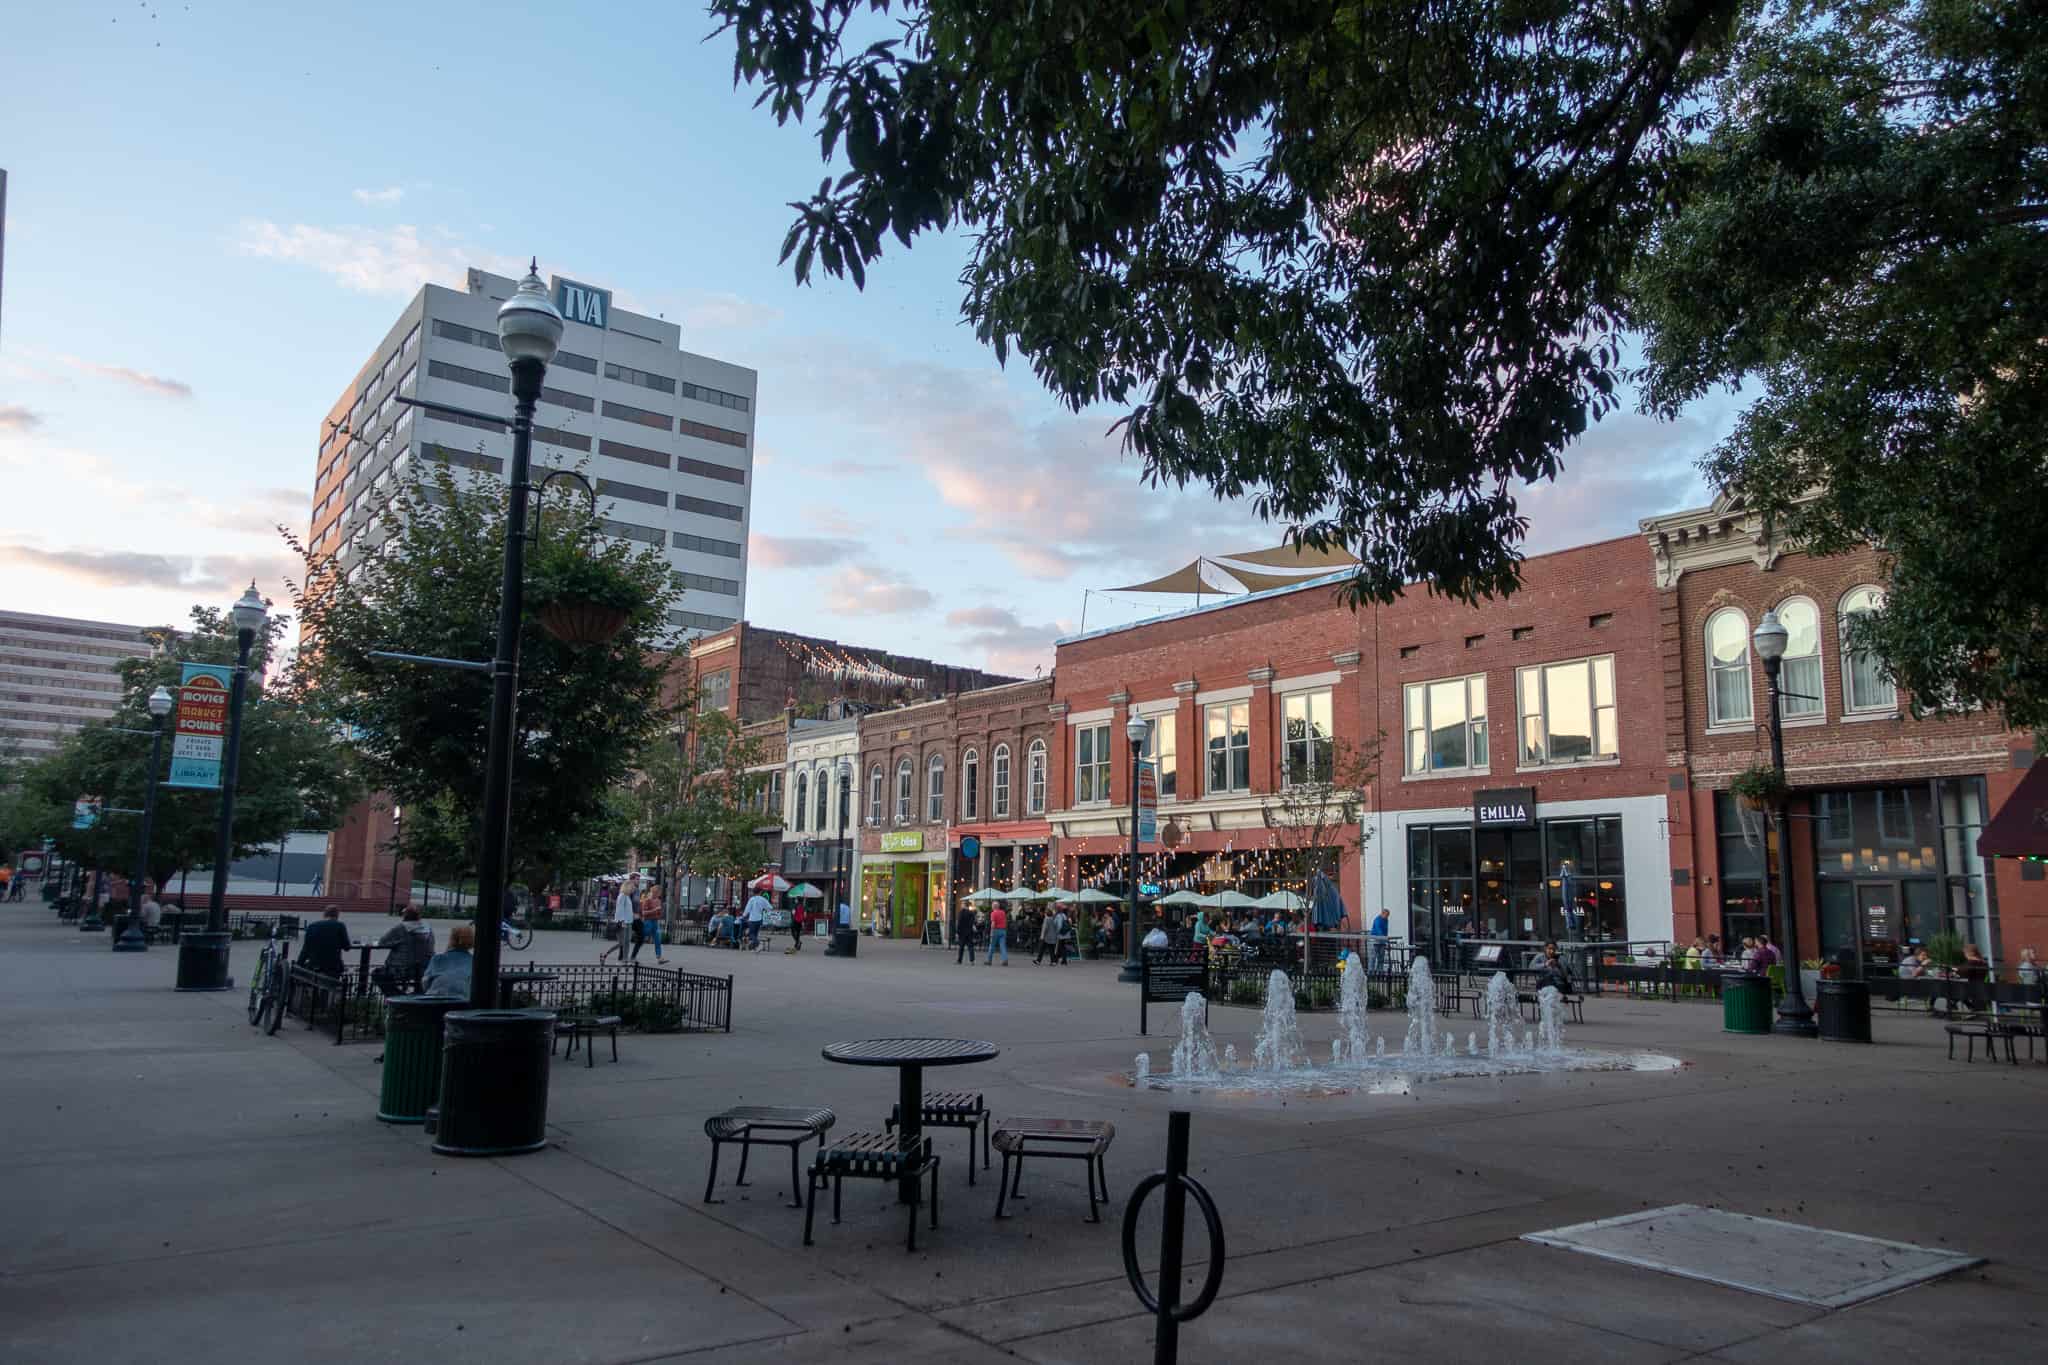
<point x="215" y="210"/>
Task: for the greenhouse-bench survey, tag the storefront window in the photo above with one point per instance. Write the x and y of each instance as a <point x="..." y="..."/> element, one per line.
<point x="1562" y="880"/>
<point x="1742" y="873"/>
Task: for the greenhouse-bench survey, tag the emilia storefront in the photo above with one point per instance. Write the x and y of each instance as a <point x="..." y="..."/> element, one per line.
<point x="1510" y="867"/>
<point x="902" y="885"/>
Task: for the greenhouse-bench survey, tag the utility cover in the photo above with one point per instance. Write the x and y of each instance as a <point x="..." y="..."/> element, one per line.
<point x="1762" y="1255"/>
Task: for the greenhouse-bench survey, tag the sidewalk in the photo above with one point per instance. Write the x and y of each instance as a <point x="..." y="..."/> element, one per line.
<point x="177" y="1187"/>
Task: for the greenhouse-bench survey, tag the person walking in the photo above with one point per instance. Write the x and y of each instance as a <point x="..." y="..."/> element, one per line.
<point x="799" y="917"/>
<point x="1057" y="928"/>
<point x="625" y="914"/>
<point x="756" y="915"/>
<point x="998" y="935"/>
<point x="650" y="923"/>
<point x="963" y="935"/>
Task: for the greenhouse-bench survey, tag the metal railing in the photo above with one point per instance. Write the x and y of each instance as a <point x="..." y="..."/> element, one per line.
<point x="348" y="1007"/>
<point x="648" y="999"/>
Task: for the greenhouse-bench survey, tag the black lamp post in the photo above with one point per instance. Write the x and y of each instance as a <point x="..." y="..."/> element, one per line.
<point x="529" y="330"/>
<point x="842" y="863"/>
<point x="397" y="827"/>
<point x="203" y="957"/>
<point x="1795" y="1016"/>
<point x="1135" y="730"/>
<point x="132" y="939"/>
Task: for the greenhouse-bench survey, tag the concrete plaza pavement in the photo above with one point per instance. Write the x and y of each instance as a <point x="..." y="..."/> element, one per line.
<point x="176" y="1187"/>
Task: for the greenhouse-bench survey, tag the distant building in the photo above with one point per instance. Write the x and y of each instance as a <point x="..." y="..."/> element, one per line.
<point x="57" y="673"/>
<point x="751" y="672"/>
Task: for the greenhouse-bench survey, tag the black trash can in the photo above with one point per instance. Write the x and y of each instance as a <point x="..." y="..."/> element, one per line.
<point x="412" y="1055"/>
<point x="494" y="1082"/>
<point x="1745" y="1003"/>
<point x="845" y="943"/>
<point x="203" y="961"/>
<point x="1844" y="1009"/>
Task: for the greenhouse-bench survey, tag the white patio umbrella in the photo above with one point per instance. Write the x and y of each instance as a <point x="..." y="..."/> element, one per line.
<point x="1055" y="893"/>
<point x="807" y="892"/>
<point x="1185" y="898"/>
<point x="1020" y="893"/>
<point x="768" y="882"/>
<point x="1095" y="895"/>
<point x="1233" y="899"/>
<point x="985" y="895"/>
<point x="1281" y="900"/>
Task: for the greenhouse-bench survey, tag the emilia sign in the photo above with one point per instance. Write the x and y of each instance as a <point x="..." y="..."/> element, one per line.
<point x="582" y="303"/>
<point x="199" y="735"/>
<point x="1505" y="808"/>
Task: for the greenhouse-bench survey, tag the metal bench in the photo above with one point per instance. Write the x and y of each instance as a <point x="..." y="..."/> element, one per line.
<point x="952" y="1109"/>
<point x="776" y="1125"/>
<point x="585" y="1028"/>
<point x="1574" y="1006"/>
<point x="873" y="1156"/>
<point x="1990" y="1031"/>
<point x="1083" y="1140"/>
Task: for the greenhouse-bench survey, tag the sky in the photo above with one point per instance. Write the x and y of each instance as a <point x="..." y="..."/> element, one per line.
<point x="215" y="210"/>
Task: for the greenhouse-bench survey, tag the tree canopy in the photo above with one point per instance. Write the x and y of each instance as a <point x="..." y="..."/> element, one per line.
<point x="1376" y="265"/>
<point x="694" y="803"/>
<point x="421" y="732"/>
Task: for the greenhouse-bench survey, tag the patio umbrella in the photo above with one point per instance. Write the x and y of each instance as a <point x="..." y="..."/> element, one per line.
<point x="985" y="895"/>
<point x="1095" y="895"/>
<point x="1020" y="893"/>
<point x="1234" y="899"/>
<point x="1055" y="893"/>
<point x="1281" y="900"/>
<point x="768" y="881"/>
<point x="1186" y="898"/>
<point x="807" y="891"/>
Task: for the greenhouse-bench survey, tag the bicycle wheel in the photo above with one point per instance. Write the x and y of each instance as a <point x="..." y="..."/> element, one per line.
<point x="521" y="938"/>
<point x="256" y="984"/>
<point x="274" y="999"/>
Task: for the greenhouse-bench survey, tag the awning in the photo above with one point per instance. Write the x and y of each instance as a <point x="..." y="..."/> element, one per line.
<point x="2020" y="827"/>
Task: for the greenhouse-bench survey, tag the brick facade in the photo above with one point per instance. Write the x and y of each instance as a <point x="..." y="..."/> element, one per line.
<point x="751" y="673"/>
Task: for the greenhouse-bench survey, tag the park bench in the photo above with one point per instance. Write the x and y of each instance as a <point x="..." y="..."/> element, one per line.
<point x="873" y="1156"/>
<point x="1083" y="1140"/>
<point x="1574" y="1006"/>
<point x="1991" y="1031"/>
<point x="953" y="1109"/>
<point x="775" y="1125"/>
<point x="584" y="1028"/>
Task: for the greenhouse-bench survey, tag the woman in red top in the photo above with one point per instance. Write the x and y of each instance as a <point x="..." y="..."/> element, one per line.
<point x="998" y="935"/>
<point x="797" y="914"/>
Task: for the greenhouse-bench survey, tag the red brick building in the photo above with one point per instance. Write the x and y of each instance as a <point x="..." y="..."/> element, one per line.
<point x="1886" y="805"/>
<point x="753" y="673"/>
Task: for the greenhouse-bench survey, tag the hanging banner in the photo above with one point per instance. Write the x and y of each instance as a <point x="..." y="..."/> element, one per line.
<point x="199" y="734"/>
<point x="1148" y="802"/>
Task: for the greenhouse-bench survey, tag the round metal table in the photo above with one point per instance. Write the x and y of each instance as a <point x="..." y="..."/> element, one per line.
<point x="910" y="1056"/>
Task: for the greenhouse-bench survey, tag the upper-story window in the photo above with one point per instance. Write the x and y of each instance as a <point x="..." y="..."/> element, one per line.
<point x="1799" y="681"/>
<point x="1091" y="763"/>
<point x="1230" y="746"/>
<point x="714" y="693"/>
<point x="1309" y="746"/>
<point x="1568" y="711"/>
<point x="935" y="790"/>
<point x="1446" y="724"/>
<point x="803" y="793"/>
<point x="875" y="795"/>
<point x="822" y="795"/>
<point x="1727" y="667"/>
<point x="970" y="778"/>
<point x="1034" y="778"/>
<point x="1864" y="685"/>
<point x="1163" y="752"/>
<point x="903" y="792"/>
<point x="774" y="789"/>
<point x="999" y="784"/>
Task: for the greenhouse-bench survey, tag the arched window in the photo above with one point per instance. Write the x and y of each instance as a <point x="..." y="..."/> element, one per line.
<point x="1034" y="778"/>
<point x="1864" y="685"/>
<point x="1727" y="667"/>
<point x="875" y="795"/>
<point x="1799" y="679"/>
<point x="935" y="790"/>
<point x="970" y="784"/>
<point x="824" y="796"/>
<point x="999" y="785"/>
<point x="903" y="792"/>
<point x="803" y="787"/>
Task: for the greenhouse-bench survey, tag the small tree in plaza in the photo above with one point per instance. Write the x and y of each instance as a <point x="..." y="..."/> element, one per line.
<point x="721" y="812"/>
<point x="1318" y="813"/>
<point x="420" y="732"/>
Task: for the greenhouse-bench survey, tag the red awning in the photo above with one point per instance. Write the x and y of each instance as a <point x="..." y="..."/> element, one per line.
<point x="2020" y="828"/>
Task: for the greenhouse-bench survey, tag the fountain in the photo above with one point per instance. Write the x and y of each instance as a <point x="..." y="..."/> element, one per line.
<point x="1350" y="1042"/>
<point x="1421" y="1040"/>
<point x="1500" y="1015"/>
<point x="1279" y="1046"/>
<point x="1144" y="1071"/>
<point x="1230" y="1056"/>
<point x="1471" y="1045"/>
<point x="1549" y="1020"/>
<point x="1195" y="1054"/>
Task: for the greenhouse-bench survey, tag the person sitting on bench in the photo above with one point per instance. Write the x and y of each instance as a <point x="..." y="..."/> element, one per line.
<point x="325" y="941"/>
<point x="1551" y="972"/>
<point x="448" y="973"/>
<point x="411" y="944"/>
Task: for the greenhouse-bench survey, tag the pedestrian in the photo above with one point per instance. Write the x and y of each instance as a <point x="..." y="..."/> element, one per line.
<point x="998" y="935"/>
<point x="799" y="915"/>
<point x="319" y="878"/>
<point x="2029" y="968"/>
<point x="756" y="916"/>
<point x="650" y="923"/>
<point x="1067" y="935"/>
<point x="625" y="915"/>
<point x="963" y="934"/>
<point x="1201" y="934"/>
<point x="1378" y="933"/>
<point x="1048" y="937"/>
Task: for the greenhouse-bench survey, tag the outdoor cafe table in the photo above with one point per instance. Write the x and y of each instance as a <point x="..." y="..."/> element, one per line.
<point x="363" y="972"/>
<point x="910" y="1056"/>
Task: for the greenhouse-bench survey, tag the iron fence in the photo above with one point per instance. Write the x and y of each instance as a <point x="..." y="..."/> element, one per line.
<point x="649" y="999"/>
<point x="354" y="1013"/>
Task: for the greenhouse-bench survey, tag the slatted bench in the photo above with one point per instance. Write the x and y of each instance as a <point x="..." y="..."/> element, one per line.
<point x="873" y="1156"/>
<point x="585" y="1028"/>
<point x="1083" y="1140"/>
<point x="1990" y="1032"/>
<point x="952" y="1109"/>
<point x="775" y="1125"/>
<point x="1574" y="1006"/>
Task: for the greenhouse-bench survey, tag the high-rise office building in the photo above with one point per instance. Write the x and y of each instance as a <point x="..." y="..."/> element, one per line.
<point x="57" y="673"/>
<point x="667" y="436"/>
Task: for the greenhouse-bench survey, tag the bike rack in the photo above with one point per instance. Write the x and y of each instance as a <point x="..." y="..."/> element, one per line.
<point x="1179" y="1185"/>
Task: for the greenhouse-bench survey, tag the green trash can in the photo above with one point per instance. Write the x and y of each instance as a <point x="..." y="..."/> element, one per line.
<point x="412" y="1055"/>
<point x="1745" y="1003"/>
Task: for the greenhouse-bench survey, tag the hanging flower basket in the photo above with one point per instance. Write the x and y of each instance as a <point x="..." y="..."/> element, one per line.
<point x="575" y="621"/>
<point x="1759" y="786"/>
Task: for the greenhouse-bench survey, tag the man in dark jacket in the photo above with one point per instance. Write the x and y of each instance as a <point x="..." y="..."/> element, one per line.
<point x="963" y="933"/>
<point x="325" y="941"/>
<point x="1552" y="971"/>
<point x="412" y="946"/>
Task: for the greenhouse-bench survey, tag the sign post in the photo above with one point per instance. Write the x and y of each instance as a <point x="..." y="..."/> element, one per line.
<point x="1168" y="976"/>
<point x="199" y="734"/>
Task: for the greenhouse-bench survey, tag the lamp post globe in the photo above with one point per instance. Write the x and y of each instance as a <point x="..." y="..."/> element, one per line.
<point x="1769" y="637"/>
<point x="160" y="702"/>
<point x="529" y="327"/>
<point x="203" y="957"/>
<point x="1136" y="729"/>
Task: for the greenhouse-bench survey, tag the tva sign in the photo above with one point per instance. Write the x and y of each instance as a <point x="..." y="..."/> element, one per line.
<point x="581" y="303"/>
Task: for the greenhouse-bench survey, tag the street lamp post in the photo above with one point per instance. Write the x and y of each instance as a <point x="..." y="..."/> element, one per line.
<point x="1135" y="730"/>
<point x="203" y="957"/>
<point x="397" y="826"/>
<point x="132" y="938"/>
<point x="529" y="330"/>
<point x="1795" y="1016"/>
<point x="842" y="861"/>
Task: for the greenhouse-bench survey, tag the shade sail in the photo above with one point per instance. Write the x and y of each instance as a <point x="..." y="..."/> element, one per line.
<point x="1186" y="579"/>
<point x="2019" y="829"/>
<point x="1297" y="557"/>
<point x="1259" y="582"/>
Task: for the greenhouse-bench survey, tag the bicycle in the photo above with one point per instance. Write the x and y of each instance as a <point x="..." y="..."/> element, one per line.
<point x="267" y="986"/>
<point x="518" y="936"/>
